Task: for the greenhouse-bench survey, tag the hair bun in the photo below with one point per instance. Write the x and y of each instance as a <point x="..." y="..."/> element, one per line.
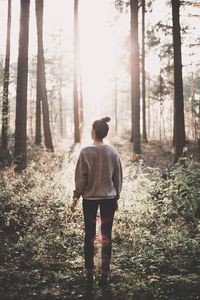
<point x="106" y="119"/>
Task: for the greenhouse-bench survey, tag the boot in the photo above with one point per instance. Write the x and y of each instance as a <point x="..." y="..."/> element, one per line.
<point x="90" y="278"/>
<point x="104" y="280"/>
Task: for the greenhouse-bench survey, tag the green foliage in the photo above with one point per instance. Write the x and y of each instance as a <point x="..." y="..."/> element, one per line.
<point x="38" y="238"/>
<point x="122" y="5"/>
<point x="155" y="239"/>
<point x="162" y="243"/>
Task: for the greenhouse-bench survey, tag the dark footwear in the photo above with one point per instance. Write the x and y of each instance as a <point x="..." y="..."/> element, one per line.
<point x="104" y="280"/>
<point x="90" y="278"/>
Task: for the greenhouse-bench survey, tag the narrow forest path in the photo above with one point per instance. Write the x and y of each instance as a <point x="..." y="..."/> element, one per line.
<point x="42" y="244"/>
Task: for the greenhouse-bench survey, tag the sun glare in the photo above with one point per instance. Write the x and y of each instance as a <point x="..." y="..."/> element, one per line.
<point x="153" y="64"/>
<point x="99" y="49"/>
<point x="102" y="45"/>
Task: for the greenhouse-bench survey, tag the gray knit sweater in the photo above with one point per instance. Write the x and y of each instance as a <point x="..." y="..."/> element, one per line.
<point x="98" y="173"/>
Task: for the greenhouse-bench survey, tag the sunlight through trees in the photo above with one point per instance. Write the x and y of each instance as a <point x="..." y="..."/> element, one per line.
<point x="63" y="65"/>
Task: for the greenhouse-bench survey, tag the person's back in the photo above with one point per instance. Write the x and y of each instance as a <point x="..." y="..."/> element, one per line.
<point x="101" y="164"/>
<point x="98" y="179"/>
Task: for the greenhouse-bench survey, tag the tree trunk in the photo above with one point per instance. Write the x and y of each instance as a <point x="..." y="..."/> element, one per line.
<point x="161" y="104"/>
<point x="81" y="102"/>
<point x="198" y="147"/>
<point x="41" y="80"/>
<point x="116" y="104"/>
<point x="61" y="110"/>
<point x="135" y="78"/>
<point x="22" y="79"/>
<point x="61" y="127"/>
<point x="144" y="130"/>
<point x="179" y="124"/>
<point x="76" y="100"/>
<point x="5" y="104"/>
<point x="148" y="106"/>
<point x="38" y="135"/>
<point x="79" y="73"/>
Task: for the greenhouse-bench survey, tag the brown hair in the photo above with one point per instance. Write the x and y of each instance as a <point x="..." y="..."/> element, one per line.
<point x="101" y="127"/>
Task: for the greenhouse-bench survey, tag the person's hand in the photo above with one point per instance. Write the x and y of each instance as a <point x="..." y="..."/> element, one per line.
<point x="117" y="197"/>
<point x="116" y="207"/>
<point x="73" y="205"/>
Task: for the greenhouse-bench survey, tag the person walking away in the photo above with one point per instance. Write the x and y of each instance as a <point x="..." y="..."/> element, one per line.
<point x="98" y="179"/>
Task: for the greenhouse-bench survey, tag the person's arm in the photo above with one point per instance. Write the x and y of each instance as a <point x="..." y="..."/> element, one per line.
<point x="80" y="180"/>
<point x="118" y="176"/>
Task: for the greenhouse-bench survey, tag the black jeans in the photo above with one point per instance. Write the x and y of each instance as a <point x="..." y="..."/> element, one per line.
<point x="107" y="210"/>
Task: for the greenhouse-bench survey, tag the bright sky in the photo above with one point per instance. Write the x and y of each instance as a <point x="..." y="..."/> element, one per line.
<point x="101" y="41"/>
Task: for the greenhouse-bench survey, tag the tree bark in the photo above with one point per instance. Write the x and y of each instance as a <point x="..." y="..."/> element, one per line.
<point x="135" y="78"/>
<point x="116" y="103"/>
<point x="179" y="123"/>
<point x="5" y="104"/>
<point x="76" y="58"/>
<point x="38" y="134"/>
<point x="81" y="102"/>
<point x="144" y="130"/>
<point x="41" y="79"/>
<point x="61" y="108"/>
<point x="22" y="79"/>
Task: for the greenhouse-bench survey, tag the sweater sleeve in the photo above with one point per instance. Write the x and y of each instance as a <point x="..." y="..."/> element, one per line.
<point x="80" y="176"/>
<point x="117" y="175"/>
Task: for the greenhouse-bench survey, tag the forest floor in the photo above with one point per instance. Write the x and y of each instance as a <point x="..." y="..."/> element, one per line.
<point x="156" y="253"/>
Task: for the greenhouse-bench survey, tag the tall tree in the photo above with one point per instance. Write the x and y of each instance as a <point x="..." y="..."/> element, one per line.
<point x="41" y="81"/>
<point x="144" y="131"/>
<point x="38" y="134"/>
<point x="60" y="98"/>
<point x="76" y="62"/>
<point x="22" y="79"/>
<point x="5" y="104"/>
<point x="135" y="78"/>
<point x="179" y="124"/>
<point x="81" y="101"/>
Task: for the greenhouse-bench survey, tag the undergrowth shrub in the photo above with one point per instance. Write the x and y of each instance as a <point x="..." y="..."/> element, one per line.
<point x="158" y="237"/>
<point x="34" y="220"/>
<point x="165" y="236"/>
